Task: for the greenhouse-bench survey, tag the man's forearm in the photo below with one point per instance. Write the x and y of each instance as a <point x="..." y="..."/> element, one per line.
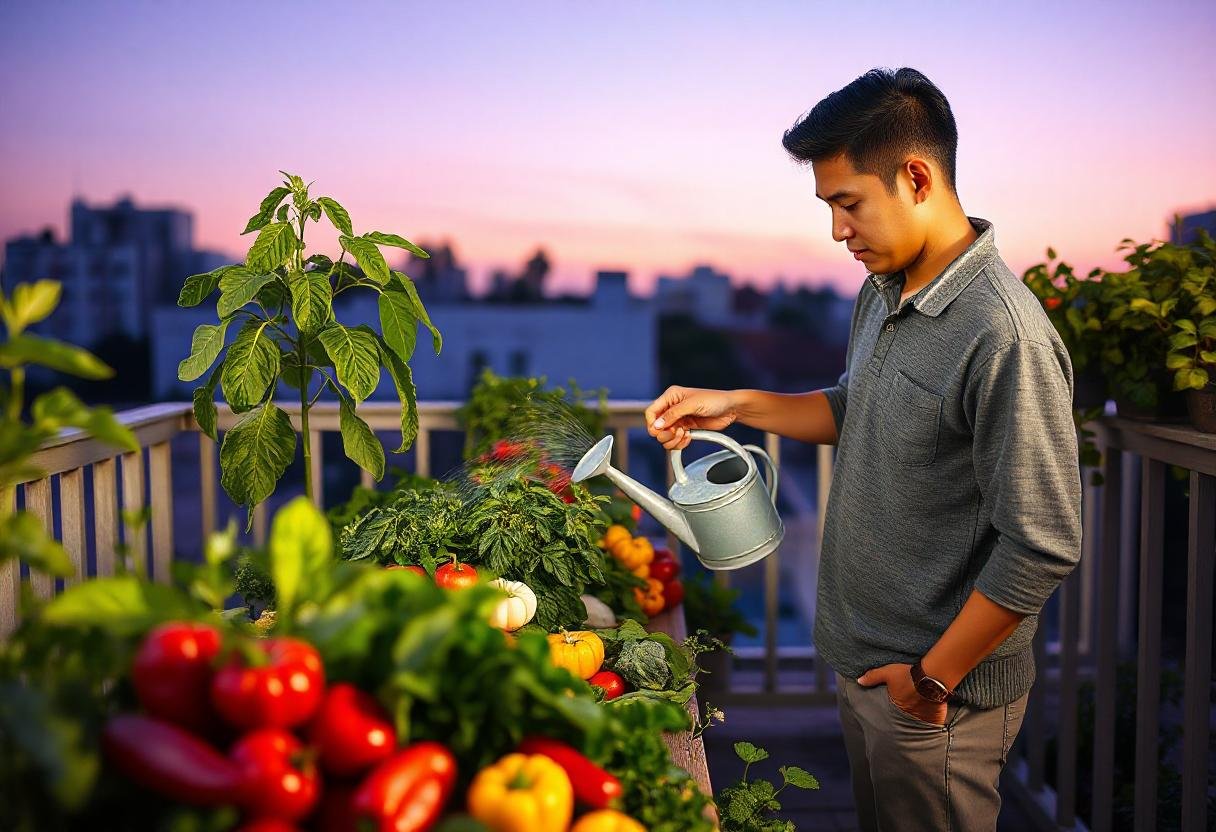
<point x="806" y="417"/>
<point x="976" y="631"/>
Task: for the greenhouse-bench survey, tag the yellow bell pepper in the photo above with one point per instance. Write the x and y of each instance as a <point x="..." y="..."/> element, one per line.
<point x="522" y="793"/>
<point x="615" y="534"/>
<point x="607" y="820"/>
<point x="633" y="552"/>
<point x="579" y="651"/>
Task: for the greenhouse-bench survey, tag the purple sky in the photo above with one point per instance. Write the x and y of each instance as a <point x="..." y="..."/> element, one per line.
<point x="635" y="135"/>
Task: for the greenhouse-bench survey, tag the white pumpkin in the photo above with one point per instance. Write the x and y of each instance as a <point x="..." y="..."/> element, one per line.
<point x="517" y="609"/>
<point x="599" y="615"/>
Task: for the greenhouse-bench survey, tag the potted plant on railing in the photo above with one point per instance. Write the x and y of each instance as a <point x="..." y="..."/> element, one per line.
<point x="1073" y="306"/>
<point x="1192" y="354"/>
<point x="289" y="333"/>
<point x="711" y="606"/>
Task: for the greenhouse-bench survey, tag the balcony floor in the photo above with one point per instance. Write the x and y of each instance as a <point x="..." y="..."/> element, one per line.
<point x="810" y="738"/>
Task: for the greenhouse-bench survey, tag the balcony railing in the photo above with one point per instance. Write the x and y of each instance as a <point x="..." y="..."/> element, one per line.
<point x="1110" y="607"/>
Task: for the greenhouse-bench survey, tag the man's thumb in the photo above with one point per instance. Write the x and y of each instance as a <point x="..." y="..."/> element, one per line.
<point x="869" y="679"/>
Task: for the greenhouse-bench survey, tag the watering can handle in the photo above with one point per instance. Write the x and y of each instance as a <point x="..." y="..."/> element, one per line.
<point x="677" y="464"/>
<point x="770" y="481"/>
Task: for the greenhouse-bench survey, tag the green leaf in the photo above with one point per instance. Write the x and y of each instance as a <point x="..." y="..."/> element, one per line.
<point x="1205" y="305"/>
<point x="403" y="380"/>
<point x="301" y="549"/>
<point x="254" y="455"/>
<point x="1145" y="306"/>
<point x="205" y="412"/>
<point x="282" y="215"/>
<point x="198" y="287"/>
<point x="239" y="286"/>
<point x="311" y="301"/>
<point x="53" y="740"/>
<point x="368" y="256"/>
<point x="274" y="294"/>
<point x="749" y="753"/>
<point x="60" y="408"/>
<point x="205" y="347"/>
<point x="1207" y="356"/>
<point x="125" y="605"/>
<point x="266" y="209"/>
<point x="359" y="442"/>
<point x="356" y="358"/>
<point x="1207" y="328"/>
<point x="338" y="215"/>
<point x="1182" y="340"/>
<point x="45" y="352"/>
<point x="1186" y="325"/>
<point x="799" y="778"/>
<point x="250" y="367"/>
<point x="398" y="320"/>
<point x="32" y="302"/>
<point x="1176" y="360"/>
<point x="1051" y="253"/>
<point x="292" y="373"/>
<point x="23" y="537"/>
<point x="395" y="240"/>
<point x="419" y="310"/>
<point x="274" y="245"/>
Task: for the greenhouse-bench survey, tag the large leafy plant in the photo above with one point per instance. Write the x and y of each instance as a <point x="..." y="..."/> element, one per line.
<point x="1192" y="354"/>
<point x="21" y="534"/>
<point x="282" y="305"/>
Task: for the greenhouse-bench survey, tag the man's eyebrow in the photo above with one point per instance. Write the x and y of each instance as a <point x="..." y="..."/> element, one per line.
<point x="842" y="194"/>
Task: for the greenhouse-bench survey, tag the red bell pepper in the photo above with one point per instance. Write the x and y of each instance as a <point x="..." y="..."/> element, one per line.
<point x="170" y="761"/>
<point x="407" y="792"/>
<point x="351" y="731"/>
<point x="279" y="779"/>
<point x="592" y="785"/>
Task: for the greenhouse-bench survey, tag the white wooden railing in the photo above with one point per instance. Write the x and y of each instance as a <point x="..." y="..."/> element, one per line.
<point x="1103" y="611"/>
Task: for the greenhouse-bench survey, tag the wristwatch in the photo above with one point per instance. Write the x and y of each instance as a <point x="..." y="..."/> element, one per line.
<point x="928" y="687"/>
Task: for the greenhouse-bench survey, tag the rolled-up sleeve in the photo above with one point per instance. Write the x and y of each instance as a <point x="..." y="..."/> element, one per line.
<point x="1019" y="402"/>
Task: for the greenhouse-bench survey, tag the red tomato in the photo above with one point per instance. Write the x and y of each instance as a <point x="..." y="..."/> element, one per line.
<point x="279" y="694"/>
<point x="636" y="513"/>
<point x="664" y="570"/>
<point x="172" y="673"/>
<point x="456" y="576"/>
<point x="278" y="780"/>
<point x="664" y="554"/>
<point x="417" y="570"/>
<point x="612" y="684"/>
<point x="407" y="792"/>
<point x="673" y="594"/>
<point x="351" y="731"/>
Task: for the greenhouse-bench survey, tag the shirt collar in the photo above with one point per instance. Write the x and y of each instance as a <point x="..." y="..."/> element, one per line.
<point x="940" y="292"/>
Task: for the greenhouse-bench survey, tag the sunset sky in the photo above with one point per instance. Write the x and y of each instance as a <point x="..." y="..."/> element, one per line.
<point x="643" y="136"/>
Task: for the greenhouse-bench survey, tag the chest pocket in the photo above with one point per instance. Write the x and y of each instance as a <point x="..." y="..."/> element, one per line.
<point x="912" y="417"/>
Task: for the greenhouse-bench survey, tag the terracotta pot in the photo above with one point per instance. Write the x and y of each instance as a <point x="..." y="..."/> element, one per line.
<point x="1201" y="405"/>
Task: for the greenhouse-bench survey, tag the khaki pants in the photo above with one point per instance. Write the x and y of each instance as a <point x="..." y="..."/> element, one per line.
<point x="909" y="775"/>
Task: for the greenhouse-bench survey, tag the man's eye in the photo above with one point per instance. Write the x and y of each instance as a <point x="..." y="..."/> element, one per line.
<point x="851" y="207"/>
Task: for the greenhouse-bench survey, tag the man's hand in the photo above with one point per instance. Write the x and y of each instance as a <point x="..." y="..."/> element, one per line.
<point x="681" y="409"/>
<point x="901" y="691"/>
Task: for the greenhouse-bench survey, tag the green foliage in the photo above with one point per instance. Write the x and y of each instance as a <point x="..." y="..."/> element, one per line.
<point x="653" y="663"/>
<point x="523" y="531"/>
<point x="491" y="411"/>
<point x="419" y="527"/>
<point x="710" y="606"/>
<point x="289" y="334"/>
<point x="22" y="536"/>
<point x="363" y="498"/>
<point x="748" y="806"/>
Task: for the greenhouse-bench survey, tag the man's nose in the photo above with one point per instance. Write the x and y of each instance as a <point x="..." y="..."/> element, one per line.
<point x="840" y="230"/>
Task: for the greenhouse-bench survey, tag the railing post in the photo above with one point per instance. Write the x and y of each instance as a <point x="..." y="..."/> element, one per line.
<point x="207" y="482"/>
<point x="71" y="519"/>
<point x="1148" y="670"/>
<point x="1201" y="551"/>
<point x="133" y="500"/>
<point x="38" y="503"/>
<point x="1105" y="653"/>
<point x="317" y="469"/>
<point x="160" y="460"/>
<point x="105" y="514"/>
<point x="10" y="576"/>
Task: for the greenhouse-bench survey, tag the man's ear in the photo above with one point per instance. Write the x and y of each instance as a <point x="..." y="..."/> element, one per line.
<point x="920" y="174"/>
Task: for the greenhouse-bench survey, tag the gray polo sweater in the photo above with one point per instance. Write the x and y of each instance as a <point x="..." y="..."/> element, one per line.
<point x="956" y="470"/>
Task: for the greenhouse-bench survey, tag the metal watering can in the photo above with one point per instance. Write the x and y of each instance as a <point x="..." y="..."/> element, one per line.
<point x="719" y="505"/>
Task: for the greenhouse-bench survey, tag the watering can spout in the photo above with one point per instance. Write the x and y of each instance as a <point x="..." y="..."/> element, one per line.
<point x="597" y="461"/>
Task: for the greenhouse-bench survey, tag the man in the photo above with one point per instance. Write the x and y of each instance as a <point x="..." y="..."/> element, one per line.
<point x="955" y="504"/>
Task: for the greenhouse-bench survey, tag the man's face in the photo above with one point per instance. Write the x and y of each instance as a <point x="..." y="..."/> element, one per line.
<point x="885" y="231"/>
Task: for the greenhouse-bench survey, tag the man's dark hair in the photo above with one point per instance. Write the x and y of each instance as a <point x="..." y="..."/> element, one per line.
<point x="877" y="121"/>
